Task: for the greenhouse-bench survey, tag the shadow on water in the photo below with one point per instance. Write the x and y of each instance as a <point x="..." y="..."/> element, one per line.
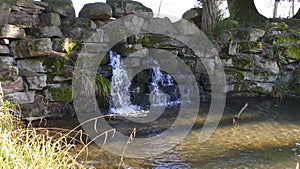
<point x="266" y="137"/>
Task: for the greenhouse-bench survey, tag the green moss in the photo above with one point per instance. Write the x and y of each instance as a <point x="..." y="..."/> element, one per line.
<point x="250" y="47"/>
<point x="233" y="75"/>
<point x="62" y="94"/>
<point x="151" y="40"/>
<point x="297" y="91"/>
<point x="259" y="90"/>
<point x="279" y="26"/>
<point x="242" y="64"/>
<point x="59" y="66"/>
<point x="294" y="84"/>
<point x="293" y="52"/>
<point x="287" y="39"/>
<point x="296" y="33"/>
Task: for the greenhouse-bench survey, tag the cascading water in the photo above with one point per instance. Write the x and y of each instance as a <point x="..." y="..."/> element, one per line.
<point x="120" y="95"/>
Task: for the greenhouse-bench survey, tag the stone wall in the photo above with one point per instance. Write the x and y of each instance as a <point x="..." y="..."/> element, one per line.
<point x="40" y="41"/>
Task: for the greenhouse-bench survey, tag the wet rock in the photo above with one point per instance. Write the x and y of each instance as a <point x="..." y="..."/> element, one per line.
<point x="21" y="97"/>
<point x="62" y="7"/>
<point x="50" y="19"/>
<point x="11" y="32"/>
<point x="13" y="86"/>
<point x="5" y="10"/>
<point x="4" y="50"/>
<point x="96" y="11"/>
<point x="124" y="7"/>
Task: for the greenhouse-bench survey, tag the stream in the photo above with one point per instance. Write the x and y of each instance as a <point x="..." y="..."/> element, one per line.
<point x="268" y="136"/>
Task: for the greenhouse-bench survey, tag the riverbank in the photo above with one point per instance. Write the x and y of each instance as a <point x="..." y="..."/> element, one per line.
<point x="25" y="147"/>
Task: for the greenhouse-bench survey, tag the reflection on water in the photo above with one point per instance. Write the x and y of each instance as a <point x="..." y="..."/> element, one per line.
<point x="267" y="137"/>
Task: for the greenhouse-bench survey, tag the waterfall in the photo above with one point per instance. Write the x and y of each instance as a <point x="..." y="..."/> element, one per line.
<point x="160" y="86"/>
<point x="120" y="97"/>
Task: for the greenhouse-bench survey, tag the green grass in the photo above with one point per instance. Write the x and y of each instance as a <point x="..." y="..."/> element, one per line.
<point x="25" y="147"/>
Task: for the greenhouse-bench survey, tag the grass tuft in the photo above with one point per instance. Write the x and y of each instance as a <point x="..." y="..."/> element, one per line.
<point x="25" y="147"/>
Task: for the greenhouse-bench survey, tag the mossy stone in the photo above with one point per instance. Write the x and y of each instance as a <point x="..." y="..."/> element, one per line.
<point x="293" y="52"/>
<point x="243" y="63"/>
<point x="233" y="75"/>
<point x="294" y="84"/>
<point x="61" y="94"/>
<point x="250" y="47"/>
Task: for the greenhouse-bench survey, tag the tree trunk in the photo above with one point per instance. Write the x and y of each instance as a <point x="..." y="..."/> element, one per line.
<point x="209" y="15"/>
<point x="275" y="12"/>
<point x="1" y="94"/>
<point x="293" y="7"/>
<point x="245" y="11"/>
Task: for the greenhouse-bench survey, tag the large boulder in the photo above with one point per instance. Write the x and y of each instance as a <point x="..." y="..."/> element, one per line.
<point x="96" y="11"/>
<point x="193" y="15"/>
<point x="62" y="7"/>
<point x="125" y="7"/>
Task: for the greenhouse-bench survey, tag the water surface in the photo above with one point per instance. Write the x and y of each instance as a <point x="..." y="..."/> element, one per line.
<point x="267" y="137"/>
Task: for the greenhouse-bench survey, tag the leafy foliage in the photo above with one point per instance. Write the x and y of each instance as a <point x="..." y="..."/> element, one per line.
<point x="102" y="87"/>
